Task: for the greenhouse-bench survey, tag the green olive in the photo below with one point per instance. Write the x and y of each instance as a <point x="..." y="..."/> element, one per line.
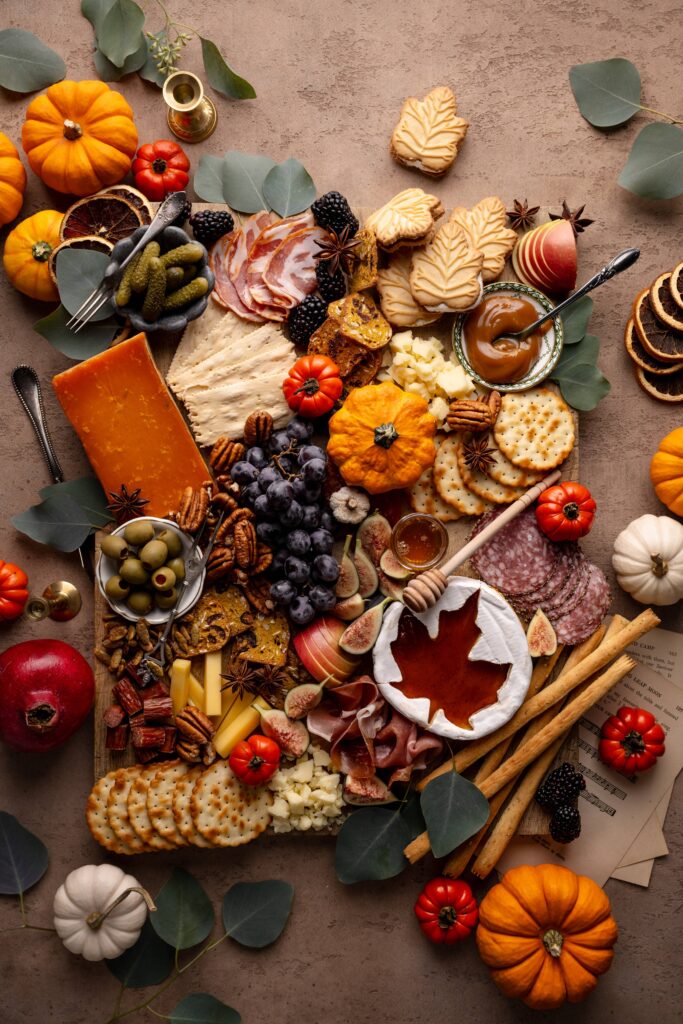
<point x="177" y="565"/>
<point x="140" y="602"/>
<point x="163" y="578"/>
<point x="166" y="598"/>
<point x="114" y="547"/>
<point x="117" y="589"/>
<point x="172" y="540"/>
<point x="139" y="532"/>
<point x="133" y="571"/>
<point x="153" y="554"/>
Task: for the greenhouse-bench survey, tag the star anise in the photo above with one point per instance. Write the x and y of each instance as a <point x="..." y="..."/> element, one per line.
<point x="523" y="215"/>
<point x="477" y="454"/>
<point x="274" y="682"/>
<point x="126" y="505"/>
<point x="241" y="678"/>
<point x="574" y="217"/>
<point x="337" y="250"/>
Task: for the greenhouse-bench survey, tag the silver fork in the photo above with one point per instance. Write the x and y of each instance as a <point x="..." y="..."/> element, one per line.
<point x="167" y="212"/>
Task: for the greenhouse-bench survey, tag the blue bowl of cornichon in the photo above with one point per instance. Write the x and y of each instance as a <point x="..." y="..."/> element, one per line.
<point x="166" y="285"/>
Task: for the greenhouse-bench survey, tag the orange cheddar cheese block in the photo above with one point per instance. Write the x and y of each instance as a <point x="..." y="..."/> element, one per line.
<point x="131" y="429"/>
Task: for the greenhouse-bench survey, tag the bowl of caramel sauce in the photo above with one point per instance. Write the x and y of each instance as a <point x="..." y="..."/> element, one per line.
<point x="489" y="356"/>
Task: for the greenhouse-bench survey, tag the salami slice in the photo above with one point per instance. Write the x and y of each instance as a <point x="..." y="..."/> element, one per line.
<point x="290" y="272"/>
<point x="519" y="558"/>
<point x="561" y="574"/>
<point x="219" y="260"/>
<point x="261" y="251"/>
<point x="576" y="625"/>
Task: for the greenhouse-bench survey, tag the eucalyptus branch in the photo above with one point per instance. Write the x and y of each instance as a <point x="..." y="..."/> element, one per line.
<point x="659" y="113"/>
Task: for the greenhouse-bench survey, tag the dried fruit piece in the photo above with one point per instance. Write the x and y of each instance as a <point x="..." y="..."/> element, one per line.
<point x="107" y="216"/>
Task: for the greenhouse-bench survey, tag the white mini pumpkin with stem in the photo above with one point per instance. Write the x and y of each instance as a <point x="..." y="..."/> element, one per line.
<point x="648" y="559"/>
<point x="99" y="911"/>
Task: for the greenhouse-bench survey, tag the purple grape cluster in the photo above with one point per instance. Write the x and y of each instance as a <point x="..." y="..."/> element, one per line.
<point x="282" y="483"/>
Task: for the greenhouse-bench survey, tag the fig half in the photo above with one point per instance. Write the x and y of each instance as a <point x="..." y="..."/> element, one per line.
<point x="360" y="636"/>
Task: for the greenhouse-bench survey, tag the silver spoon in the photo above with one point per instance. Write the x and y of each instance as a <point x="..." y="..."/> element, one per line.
<point x="621" y="262"/>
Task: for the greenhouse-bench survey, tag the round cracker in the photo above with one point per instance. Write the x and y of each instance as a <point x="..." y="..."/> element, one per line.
<point x="423" y="496"/>
<point x="449" y="483"/>
<point x="97" y="819"/>
<point x="182" y="794"/>
<point x="482" y="485"/>
<point x="160" y="801"/>
<point x="505" y="472"/>
<point x="138" y="814"/>
<point x="117" y="809"/>
<point x="535" y="429"/>
<point x="224" y="811"/>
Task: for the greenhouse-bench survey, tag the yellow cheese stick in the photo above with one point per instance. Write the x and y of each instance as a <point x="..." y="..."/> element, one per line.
<point x="233" y="732"/>
<point x="212" y="683"/>
<point x="180" y="684"/>
<point x="231" y="707"/>
<point x="196" y="693"/>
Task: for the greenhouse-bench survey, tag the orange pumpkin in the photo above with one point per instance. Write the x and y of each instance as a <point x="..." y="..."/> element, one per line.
<point x="12" y="181"/>
<point x="79" y="137"/>
<point x="666" y="471"/>
<point x="546" y="934"/>
<point x="27" y="251"/>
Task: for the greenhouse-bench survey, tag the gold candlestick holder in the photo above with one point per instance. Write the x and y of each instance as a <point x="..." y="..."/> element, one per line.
<point x="191" y="115"/>
<point x="61" y="601"/>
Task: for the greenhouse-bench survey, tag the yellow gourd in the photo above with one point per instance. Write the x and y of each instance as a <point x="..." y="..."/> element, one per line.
<point x="12" y="181"/>
<point x="27" y="250"/>
<point x="666" y="471"/>
<point x="382" y="438"/>
<point x="79" y="137"/>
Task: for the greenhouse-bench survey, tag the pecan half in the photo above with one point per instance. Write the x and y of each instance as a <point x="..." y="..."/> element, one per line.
<point x="225" y="453"/>
<point x="258" y="428"/>
<point x="475" y="415"/>
<point x="257" y="593"/>
<point x="194" y="725"/>
<point x="221" y="561"/>
<point x="189" y="751"/>
<point x="245" y="543"/>
<point x="209" y="754"/>
<point x="192" y="509"/>
<point x="263" y="561"/>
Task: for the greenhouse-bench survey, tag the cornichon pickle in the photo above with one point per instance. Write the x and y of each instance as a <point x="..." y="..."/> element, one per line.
<point x="191" y="252"/>
<point x="175" y="277"/>
<point x="188" y="293"/>
<point x="156" y="290"/>
<point x="124" y="290"/>
<point x="138" y="281"/>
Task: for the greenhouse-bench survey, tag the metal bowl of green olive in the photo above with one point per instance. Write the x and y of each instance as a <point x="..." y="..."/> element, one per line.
<point x="141" y="568"/>
<point x="166" y="285"/>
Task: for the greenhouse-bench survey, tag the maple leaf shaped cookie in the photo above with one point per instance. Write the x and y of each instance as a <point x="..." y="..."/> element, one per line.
<point x="446" y="274"/>
<point x="484" y="226"/>
<point x="396" y="298"/>
<point x="407" y="219"/>
<point x="428" y="132"/>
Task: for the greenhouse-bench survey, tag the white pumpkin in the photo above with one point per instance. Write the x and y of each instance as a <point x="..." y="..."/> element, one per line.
<point x="93" y="917"/>
<point x="648" y="560"/>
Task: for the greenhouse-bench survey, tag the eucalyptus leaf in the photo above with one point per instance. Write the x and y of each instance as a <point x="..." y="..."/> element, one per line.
<point x="289" y="188"/>
<point x="118" y="35"/>
<point x="58" y="521"/>
<point x="221" y="77"/>
<point x="255" y="913"/>
<point x="654" y="169"/>
<point x="87" y="492"/>
<point x="607" y="92"/>
<point x="584" y="351"/>
<point x="581" y="382"/>
<point x="148" y="962"/>
<point x="243" y="176"/>
<point x="108" y="72"/>
<point x="149" y="70"/>
<point x="23" y="857"/>
<point x="95" y="10"/>
<point x="454" y="809"/>
<point x="184" y="916"/>
<point x="26" y="63"/>
<point x="370" y="845"/>
<point x="79" y="272"/>
<point x="575" y="320"/>
<point x="411" y="812"/>
<point x="93" y="338"/>
<point x="208" y="179"/>
<point x="201" y="1008"/>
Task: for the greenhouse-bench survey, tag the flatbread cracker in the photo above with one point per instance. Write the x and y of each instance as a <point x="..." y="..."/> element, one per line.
<point x="483" y="486"/>
<point x="97" y="818"/>
<point x="224" y="811"/>
<point x="160" y="800"/>
<point x="138" y="814"/>
<point x="449" y="484"/>
<point x="267" y="641"/>
<point x="535" y="429"/>
<point x="182" y="794"/>
<point x="117" y="809"/>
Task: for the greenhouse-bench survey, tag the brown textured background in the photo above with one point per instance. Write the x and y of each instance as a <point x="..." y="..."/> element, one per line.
<point x="330" y="78"/>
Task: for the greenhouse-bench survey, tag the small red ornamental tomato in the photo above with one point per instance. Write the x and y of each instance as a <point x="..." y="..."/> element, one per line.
<point x="631" y="741"/>
<point x="160" y="168"/>
<point x="565" y="511"/>
<point x="255" y="760"/>
<point x="313" y="386"/>
<point x="13" y="592"/>
<point x="447" y="910"/>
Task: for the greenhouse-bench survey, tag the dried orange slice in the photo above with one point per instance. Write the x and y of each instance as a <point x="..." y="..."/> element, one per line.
<point x="92" y="243"/>
<point x="134" y="196"/>
<point x="642" y="358"/>
<point x="660" y="340"/>
<point x="107" y="216"/>
<point x="667" y="389"/>
<point x="676" y="284"/>
<point x="663" y="304"/>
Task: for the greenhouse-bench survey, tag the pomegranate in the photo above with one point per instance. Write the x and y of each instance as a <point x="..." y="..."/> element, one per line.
<point x="46" y="691"/>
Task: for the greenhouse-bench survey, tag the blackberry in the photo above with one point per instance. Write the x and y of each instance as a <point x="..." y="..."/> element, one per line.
<point x="306" y="318"/>
<point x="560" y="787"/>
<point x="210" y="225"/>
<point x="330" y="286"/>
<point x="565" y="824"/>
<point x="184" y="214"/>
<point x="333" y="212"/>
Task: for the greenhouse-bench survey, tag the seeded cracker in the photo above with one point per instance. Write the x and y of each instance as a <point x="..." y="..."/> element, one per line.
<point x="224" y="811"/>
<point x="535" y="429"/>
<point x="182" y="795"/>
<point x="424" y="497"/>
<point x="483" y="485"/>
<point x="137" y="811"/>
<point x="117" y="809"/>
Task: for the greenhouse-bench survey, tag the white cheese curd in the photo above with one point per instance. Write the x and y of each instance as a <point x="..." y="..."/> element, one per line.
<point x="306" y="795"/>
<point x="418" y="366"/>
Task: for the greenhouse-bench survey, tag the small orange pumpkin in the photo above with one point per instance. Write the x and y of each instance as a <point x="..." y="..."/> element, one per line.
<point x="12" y="181"/>
<point x="27" y="251"/>
<point x="666" y="471"/>
<point x="546" y="934"/>
<point x="79" y="137"/>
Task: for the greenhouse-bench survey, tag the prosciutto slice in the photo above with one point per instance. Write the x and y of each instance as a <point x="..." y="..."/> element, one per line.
<point x="290" y="272"/>
<point x="261" y="251"/>
<point x="225" y="291"/>
<point x="238" y="262"/>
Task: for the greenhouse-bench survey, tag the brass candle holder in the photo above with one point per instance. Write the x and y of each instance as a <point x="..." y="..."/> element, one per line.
<point x="191" y="115"/>
<point x="61" y="602"/>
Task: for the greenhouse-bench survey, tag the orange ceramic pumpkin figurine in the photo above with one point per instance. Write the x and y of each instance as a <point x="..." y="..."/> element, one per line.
<point x="12" y="181"/>
<point x="79" y="137"/>
<point x="666" y="471"/>
<point x="546" y="934"/>
<point x="27" y="251"/>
